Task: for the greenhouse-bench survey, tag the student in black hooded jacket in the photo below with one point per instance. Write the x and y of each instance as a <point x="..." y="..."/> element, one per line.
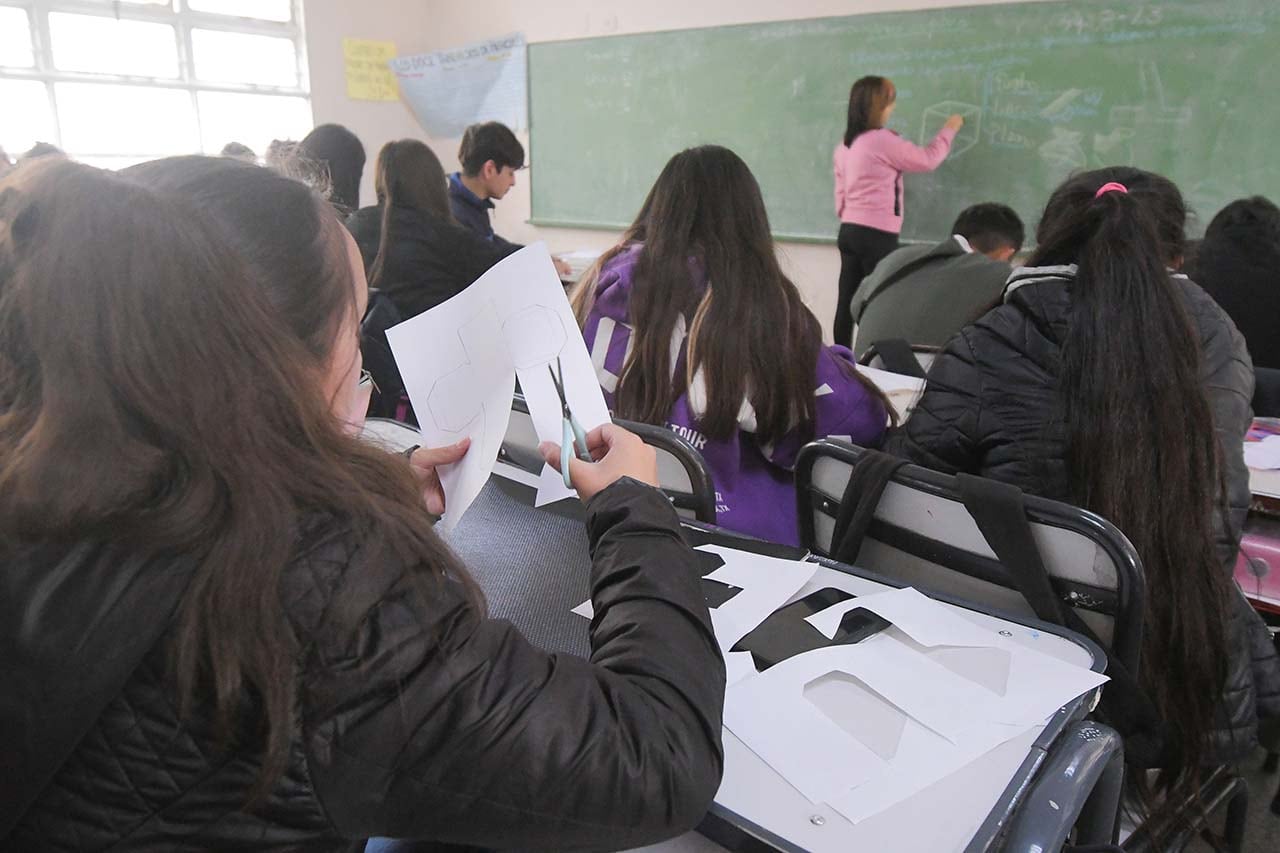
<point x="1105" y="381"/>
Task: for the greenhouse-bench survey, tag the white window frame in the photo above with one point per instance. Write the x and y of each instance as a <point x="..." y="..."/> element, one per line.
<point x="183" y="21"/>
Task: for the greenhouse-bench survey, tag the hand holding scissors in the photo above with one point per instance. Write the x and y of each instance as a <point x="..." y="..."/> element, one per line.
<point x="573" y="439"/>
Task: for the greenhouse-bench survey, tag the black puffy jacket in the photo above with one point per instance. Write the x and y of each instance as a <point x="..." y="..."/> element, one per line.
<point x="415" y="718"/>
<point x="988" y="410"/>
<point x="429" y="259"/>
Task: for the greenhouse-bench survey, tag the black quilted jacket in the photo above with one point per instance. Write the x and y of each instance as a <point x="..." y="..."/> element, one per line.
<point x="987" y="410"/>
<point x="416" y="718"/>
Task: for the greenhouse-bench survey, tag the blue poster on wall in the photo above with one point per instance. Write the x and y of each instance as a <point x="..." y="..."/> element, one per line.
<point x="450" y="89"/>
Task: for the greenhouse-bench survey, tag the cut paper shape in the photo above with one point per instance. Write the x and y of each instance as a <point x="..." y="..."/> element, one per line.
<point x="762" y="584"/>
<point x="460" y="361"/>
<point x="986" y="667"/>
<point x="766" y="584"/>
<point x="859" y="710"/>
<point x="1035" y="685"/>
<point x="737" y="666"/>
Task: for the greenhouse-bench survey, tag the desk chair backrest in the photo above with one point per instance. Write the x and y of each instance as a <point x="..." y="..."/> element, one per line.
<point x="1266" y="392"/>
<point x="391" y="435"/>
<point x="921" y="534"/>
<point x="682" y="472"/>
<point x="897" y="356"/>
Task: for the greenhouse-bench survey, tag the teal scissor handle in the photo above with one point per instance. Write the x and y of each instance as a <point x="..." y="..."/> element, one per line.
<point x="573" y="442"/>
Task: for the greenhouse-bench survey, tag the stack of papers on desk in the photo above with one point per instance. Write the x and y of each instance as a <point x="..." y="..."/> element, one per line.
<point x="862" y="727"/>
<point x="1263" y="455"/>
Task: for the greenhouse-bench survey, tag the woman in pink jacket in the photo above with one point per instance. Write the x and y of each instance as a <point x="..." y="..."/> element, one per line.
<point x="869" y="164"/>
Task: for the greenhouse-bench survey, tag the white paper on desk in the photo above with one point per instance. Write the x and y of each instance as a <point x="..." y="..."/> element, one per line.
<point x="922" y="759"/>
<point x="1034" y="686"/>
<point x="1263" y="455"/>
<point x="769" y="713"/>
<point x="766" y="583"/>
<point x="460" y="360"/>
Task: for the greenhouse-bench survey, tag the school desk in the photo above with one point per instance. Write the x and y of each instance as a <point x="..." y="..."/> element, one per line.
<point x="534" y="566"/>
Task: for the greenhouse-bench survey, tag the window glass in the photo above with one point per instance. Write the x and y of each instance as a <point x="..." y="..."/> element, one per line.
<point x="252" y="120"/>
<point x="15" y="38"/>
<point x="133" y="121"/>
<point x="26" y="117"/>
<point x="223" y="57"/>
<point x="266" y="10"/>
<point x="103" y="45"/>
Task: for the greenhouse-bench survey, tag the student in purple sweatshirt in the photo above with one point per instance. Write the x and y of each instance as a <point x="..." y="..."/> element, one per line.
<point x="869" y="164"/>
<point x="691" y="323"/>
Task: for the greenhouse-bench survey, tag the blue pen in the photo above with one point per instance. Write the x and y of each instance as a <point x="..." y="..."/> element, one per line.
<point x="573" y="439"/>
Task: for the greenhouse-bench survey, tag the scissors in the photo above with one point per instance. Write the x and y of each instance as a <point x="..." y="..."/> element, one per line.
<point x="573" y="440"/>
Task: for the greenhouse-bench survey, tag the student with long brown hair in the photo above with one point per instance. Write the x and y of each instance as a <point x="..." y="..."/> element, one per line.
<point x="1105" y="381"/>
<point x="225" y="622"/>
<point x="414" y="251"/>
<point x="869" y="163"/>
<point x="692" y="324"/>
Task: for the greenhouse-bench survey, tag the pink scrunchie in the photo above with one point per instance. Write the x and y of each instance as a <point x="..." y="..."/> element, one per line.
<point x="1111" y="187"/>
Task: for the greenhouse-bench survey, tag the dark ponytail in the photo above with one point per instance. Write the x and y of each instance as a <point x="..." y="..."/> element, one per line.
<point x="1141" y="447"/>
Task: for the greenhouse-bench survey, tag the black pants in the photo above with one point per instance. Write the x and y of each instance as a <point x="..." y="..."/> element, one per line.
<point x="861" y="248"/>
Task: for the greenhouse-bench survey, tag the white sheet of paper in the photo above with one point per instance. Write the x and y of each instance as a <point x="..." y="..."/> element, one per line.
<point x="1263" y="455"/>
<point x="460" y="360"/>
<point x="921" y="759"/>
<point x="1036" y="686"/>
<point x="769" y="713"/>
<point x="766" y="583"/>
<point x="738" y="665"/>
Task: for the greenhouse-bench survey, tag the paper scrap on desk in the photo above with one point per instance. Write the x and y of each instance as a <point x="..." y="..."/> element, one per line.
<point x="737" y="666"/>
<point x="766" y="583"/>
<point x="1263" y="455"/>
<point x="460" y="360"/>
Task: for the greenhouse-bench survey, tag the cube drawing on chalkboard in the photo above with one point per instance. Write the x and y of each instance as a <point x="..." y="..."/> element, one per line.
<point x="935" y="115"/>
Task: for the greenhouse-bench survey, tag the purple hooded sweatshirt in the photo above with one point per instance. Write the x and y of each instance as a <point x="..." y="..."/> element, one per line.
<point x="755" y="483"/>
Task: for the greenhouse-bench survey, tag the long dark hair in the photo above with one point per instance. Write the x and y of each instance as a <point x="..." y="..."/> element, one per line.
<point x="1140" y="438"/>
<point x="408" y="174"/>
<point x="212" y="440"/>
<point x="868" y="97"/>
<point x="339" y="156"/>
<point x="708" y="257"/>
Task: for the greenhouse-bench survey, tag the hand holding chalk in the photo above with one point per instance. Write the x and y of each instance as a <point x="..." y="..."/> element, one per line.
<point x="955" y="122"/>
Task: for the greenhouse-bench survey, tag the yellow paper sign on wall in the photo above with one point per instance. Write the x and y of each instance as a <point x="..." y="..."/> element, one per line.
<point x="368" y="77"/>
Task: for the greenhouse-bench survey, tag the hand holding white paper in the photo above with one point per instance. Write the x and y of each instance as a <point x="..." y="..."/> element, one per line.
<point x="459" y="362"/>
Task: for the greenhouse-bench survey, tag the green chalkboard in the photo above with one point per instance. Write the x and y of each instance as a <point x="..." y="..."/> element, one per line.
<point x="1183" y="87"/>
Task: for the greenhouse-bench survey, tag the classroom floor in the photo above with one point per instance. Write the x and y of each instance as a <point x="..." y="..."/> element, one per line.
<point x="1263" y="832"/>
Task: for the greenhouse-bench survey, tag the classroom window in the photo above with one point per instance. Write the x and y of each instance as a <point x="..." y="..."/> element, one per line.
<point x="15" y="38"/>
<point x="115" y="83"/>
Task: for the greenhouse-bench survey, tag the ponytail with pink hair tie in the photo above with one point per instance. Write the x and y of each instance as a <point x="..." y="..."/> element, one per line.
<point x="1111" y="187"/>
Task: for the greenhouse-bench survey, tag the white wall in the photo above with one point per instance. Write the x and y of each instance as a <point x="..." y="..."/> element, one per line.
<point x="434" y="24"/>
